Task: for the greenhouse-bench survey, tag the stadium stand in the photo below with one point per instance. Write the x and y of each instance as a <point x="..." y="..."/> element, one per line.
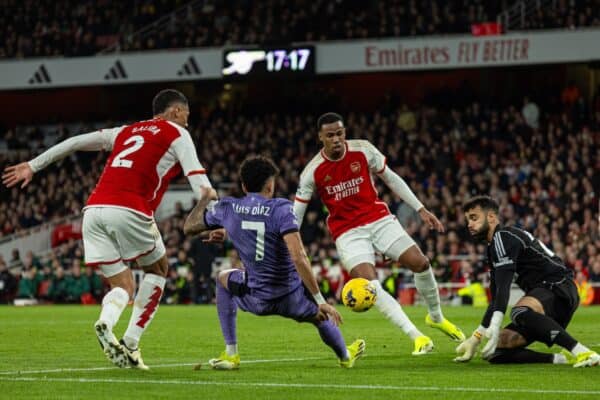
<point x="74" y="28"/>
<point x="446" y="154"/>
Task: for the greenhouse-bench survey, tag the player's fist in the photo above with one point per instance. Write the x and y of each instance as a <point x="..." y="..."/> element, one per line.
<point x="467" y="349"/>
<point x="209" y="193"/>
<point x="214" y="236"/>
<point x="17" y="173"/>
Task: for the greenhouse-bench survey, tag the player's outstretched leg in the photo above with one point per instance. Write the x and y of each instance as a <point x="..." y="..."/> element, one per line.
<point x="113" y="304"/>
<point x="546" y="330"/>
<point x="525" y="356"/>
<point x="227" y="311"/>
<point x="427" y="287"/>
<point x="355" y="351"/>
<point x="332" y="337"/>
<point x="144" y="308"/>
<point x="390" y="307"/>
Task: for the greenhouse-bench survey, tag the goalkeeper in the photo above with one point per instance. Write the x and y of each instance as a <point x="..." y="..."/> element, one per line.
<point x="541" y="315"/>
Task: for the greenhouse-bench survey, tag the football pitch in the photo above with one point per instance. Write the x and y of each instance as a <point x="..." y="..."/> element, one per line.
<point x="51" y="352"/>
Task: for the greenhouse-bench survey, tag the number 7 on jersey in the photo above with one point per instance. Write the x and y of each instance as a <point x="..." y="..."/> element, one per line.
<point x="259" y="227"/>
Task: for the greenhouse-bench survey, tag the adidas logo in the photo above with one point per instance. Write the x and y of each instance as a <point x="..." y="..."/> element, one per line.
<point x="190" y="67"/>
<point x="553" y="335"/>
<point x="116" y="72"/>
<point x="40" y="76"/>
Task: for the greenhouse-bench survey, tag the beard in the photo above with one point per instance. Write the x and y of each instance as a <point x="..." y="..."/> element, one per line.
<point x="482" y="233"/>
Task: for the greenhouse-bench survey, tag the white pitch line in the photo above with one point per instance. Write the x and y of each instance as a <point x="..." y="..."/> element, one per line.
<point x="57" y="370"/>
<point x="304" y="385"/>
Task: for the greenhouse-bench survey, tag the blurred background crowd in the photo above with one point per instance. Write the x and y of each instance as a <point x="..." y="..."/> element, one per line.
<point x="51" y="28"/>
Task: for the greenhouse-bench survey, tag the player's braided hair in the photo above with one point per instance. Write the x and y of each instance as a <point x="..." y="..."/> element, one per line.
<point x="485" y="202"/>
<point x="328" y="118"/>
<point x="255" y="171"/>
<point x="165" y="99"/>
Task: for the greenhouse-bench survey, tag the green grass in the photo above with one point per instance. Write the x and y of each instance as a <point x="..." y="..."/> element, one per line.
<point x="37" y="342"/>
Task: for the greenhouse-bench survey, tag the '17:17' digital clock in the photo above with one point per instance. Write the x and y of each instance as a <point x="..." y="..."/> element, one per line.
<point x="269" y="62"/>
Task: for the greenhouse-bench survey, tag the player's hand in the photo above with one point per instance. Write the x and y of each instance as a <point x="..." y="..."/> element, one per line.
<point x="17" y="173"/>
<point x="492" y="334"/>
<point x="467" y="349"/>
<point x="431" y="220"/>
<point x="208" y="192"/>
<point x="214" y="236"/>
<point x="327" y="311"/>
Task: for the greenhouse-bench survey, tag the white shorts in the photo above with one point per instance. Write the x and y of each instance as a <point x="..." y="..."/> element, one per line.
<point x="358" y="245"/>
<point x="113" y="235"/>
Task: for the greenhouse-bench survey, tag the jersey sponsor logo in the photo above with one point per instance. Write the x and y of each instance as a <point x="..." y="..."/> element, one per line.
<point x="355" y="167"/>
<point x="345" y="189"/>
<point x="151" y="128"/>
<point x="503" y="261"/>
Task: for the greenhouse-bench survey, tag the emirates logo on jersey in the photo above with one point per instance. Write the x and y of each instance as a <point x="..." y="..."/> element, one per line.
<point x="345" y="189"/>
<point x="355" y="167"/>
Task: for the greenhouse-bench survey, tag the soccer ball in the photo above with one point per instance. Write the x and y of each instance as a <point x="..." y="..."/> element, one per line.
<point x="359" y="294"/>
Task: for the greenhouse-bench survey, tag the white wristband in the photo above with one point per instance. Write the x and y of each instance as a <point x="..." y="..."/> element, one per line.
<point x="497" y="318"/>
<point x="319" y="298"/>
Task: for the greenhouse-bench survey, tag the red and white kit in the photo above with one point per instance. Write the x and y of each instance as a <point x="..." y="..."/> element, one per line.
<point x="118" y="222"/>
<point x="359" y="221"/>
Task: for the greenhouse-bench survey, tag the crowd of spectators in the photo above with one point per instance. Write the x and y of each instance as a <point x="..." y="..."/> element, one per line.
<point x="81" y="28"/>
<point x="543" y="167"/>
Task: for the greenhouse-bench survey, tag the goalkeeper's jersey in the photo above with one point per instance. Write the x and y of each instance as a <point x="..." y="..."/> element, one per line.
<point x="533" y="264"/>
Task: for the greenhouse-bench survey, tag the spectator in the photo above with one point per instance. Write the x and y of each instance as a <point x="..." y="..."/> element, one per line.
<point x="77" y="284"/>
<point x="27" y="287"/>
<point x="58" y="291"/>
<point x="95" y="283"/>
<point x="531" y="113"/>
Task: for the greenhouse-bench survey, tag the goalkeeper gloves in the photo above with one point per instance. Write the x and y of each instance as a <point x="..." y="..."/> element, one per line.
<point x="467" y="349"/>
<point x="492" y="334"/>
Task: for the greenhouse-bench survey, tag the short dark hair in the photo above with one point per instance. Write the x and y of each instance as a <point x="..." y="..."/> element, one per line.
<point x="255" y="171"/>
<point x="165" y="99"/>
<point x="328" y="118"/>
<point x="485" y="202"/>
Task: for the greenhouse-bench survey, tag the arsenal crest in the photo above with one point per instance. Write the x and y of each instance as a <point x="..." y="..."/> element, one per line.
<point x="355" y="167"/>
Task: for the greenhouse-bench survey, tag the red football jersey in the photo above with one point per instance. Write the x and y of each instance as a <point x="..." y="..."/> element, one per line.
<point x="346" y="186"/>
<point x="145" y="157"/>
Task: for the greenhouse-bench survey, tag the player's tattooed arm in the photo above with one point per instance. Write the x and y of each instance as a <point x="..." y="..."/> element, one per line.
<point x="194" y="222"/>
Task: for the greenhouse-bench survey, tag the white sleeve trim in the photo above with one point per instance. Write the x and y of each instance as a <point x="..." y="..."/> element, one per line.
<point x="185" y="151"/>
<point x="93" y="141"/>
<point x="400" y="188"/>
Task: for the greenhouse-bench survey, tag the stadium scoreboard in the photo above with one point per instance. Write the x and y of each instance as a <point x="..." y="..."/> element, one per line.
<point x="268" y="62"/>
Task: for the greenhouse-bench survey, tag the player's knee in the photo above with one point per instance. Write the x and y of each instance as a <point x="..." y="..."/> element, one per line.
<point x="510" y="339"/>
<point x="518" y="313"/>
<point x="421" y="265"/>
<point x="160" y="267"/>
<point x="222" y="278"/>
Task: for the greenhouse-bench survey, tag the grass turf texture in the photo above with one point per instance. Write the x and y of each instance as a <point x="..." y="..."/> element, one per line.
<point x="51" y="352"/>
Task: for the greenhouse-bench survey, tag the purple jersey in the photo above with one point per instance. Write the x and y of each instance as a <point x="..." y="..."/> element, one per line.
<point x="256" y="226"/>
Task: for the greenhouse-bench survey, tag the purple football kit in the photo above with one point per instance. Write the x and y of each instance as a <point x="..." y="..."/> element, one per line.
<point x="270" y="284"/>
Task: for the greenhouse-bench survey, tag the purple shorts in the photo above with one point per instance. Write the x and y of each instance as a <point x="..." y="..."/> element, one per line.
<point x="298" y="305"/>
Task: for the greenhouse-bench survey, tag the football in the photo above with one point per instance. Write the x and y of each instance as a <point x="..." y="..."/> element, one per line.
<point x="359" y="294"/>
